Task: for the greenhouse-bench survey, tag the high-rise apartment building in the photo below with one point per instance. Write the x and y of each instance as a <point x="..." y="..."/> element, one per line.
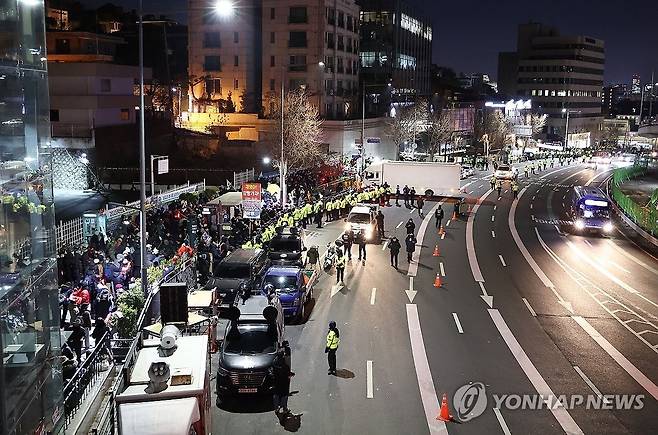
<point x="30" y="371"/>
<point x="559" y="73"/>
<point x="636" y="86"/>
<point x="396" y="49"/>
<point x="251" y="50"/>
<point x="612" y="95"/>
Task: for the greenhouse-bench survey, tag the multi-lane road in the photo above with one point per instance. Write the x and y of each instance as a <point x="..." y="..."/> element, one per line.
<point x="525" y="308"/>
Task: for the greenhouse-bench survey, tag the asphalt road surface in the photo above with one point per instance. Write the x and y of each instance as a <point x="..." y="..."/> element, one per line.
<point x="525" y="308"/>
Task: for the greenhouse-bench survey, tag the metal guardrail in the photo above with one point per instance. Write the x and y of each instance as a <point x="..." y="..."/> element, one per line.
<point x="106" y="423"/>
<point x="85" y="377"/>
<point x="643" y="215"/>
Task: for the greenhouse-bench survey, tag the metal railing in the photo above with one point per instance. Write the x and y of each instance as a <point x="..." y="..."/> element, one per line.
<point x="85" y="378"/>
<point x="646" y="216"/>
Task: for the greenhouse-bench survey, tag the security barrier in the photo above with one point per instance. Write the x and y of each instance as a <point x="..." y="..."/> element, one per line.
<point x="645" y="216"/>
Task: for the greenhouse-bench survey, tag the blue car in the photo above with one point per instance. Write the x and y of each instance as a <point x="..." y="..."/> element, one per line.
<point x="293" y="285"/>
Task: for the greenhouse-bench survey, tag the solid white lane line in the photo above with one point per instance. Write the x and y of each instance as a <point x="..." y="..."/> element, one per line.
<point x="502" y="260"/>
<point x="628" y="366"/>
<point x="501" y="421"/>
<point x="632" y="258"/>
<point x="589" y="382"/>
<point x="470" y="245"/>
<point x="423" y="373"/>
<point x="561" y="414"/>
<point x="369" y="389"/>
<point x="493" y="234"/>
<point x="385" y="245"/>
<point x="458" y="323"/>
<point x="618" y="266"/>
<point x="591" y="180"/>
<point x="372" y="296"/>
<point x="413" y="267"/>
<point x="399" y="225"/>
<point x="527" y="304"/>
<point x="443" y="272"/>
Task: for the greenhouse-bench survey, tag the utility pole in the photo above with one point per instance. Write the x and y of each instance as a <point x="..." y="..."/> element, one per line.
<point x="282" y="172"/>
<point x="363" y="129"/>
<point x="142" y="158"/>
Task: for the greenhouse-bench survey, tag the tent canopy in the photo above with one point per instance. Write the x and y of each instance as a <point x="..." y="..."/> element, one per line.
<point x="229" y="199"/>
<point x="160" y="417"/>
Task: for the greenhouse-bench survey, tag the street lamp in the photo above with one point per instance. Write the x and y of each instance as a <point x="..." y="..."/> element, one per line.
<point x="266" y="160"/>
<point x="224" y="8"/>
<point x="566" y="127"/>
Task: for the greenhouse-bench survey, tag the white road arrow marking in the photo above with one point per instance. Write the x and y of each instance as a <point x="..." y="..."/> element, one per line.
<point x="485" y="296"/>
<point x="411" y="294"/>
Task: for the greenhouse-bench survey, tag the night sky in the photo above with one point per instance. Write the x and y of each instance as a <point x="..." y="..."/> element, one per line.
<point x="469" y="34"/>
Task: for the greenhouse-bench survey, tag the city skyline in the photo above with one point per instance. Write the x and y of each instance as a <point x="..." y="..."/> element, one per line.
<point x="630" y="41"/>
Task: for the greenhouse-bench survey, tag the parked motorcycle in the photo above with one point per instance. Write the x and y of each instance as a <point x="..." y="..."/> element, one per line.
<point x="330" y="256"/>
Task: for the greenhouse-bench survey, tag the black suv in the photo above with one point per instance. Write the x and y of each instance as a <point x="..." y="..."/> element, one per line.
<point x="249" y="350"/>
<point x="287" y="248"/>
<point x="242" y="269"/>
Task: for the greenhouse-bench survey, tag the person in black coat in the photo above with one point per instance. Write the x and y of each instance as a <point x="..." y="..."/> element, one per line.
<point x="360" y="240"/>
<point x="438" y="216"/>
<point x="380" y="224"/>
<point x="410" y="245"/>
<point x="394" y="246"/>
<point x="397" y="196"/>
<point x="282" y="375"/>
<point x="410" y="226"/>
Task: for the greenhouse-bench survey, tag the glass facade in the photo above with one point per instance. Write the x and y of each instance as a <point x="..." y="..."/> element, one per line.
<point x="30" y="374"/>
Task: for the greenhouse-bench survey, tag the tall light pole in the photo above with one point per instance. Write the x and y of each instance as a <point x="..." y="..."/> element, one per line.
<point x="282" y="162"/>
<point x="142" y="158"/>
<point x="566" y="127"/>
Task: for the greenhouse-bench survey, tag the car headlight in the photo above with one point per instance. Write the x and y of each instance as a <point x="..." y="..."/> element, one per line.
<point x="607" y="227"/>
<point x="221" y="371"/>
<point x="580" y="224"/>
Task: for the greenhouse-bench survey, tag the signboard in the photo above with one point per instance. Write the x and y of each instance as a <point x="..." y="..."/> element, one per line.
<point x="163" y="166"/>
<point x="523" y="130"/>
<point x="251" y="200"/>
<point x="373" y="140"/>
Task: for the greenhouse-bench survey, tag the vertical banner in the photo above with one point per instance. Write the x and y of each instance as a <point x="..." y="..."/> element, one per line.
<point x="251" y="200"/>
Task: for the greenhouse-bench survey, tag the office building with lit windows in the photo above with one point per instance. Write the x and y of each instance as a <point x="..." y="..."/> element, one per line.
<point x="250" y="50"/>
<point x="30" y="369"/>
<point x="559" y="73"/>
<point x="396" y="49"/>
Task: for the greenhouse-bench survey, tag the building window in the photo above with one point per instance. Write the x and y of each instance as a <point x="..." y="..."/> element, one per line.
<point x="350" y="27"/>
<point x="297" y="63"/>
<point x="54" y="115"/>
<point x="213" y="86"/>
<point x="406" y="62"/>
<point x="368" y="58"/>
<point x="341" y="20"/>
<point x="272" y="61"/>
<point x="272" y="37"/>
<point x="297" y="39"/>
<point x="272" y="84"/>
<point x="297" y="15"/>
<point x="341" y="45"/>
<point x="125" y="114"/>
<point x="329" y="36"/>
<point x="106" y="85"/>
<point x="236" y="61"/>
<point x="331" y="16"/>
<point x="272" y="14"/>
<point x="211" y="40"/>
<point x="236" y="37"/>
<point x="236" y="84"/>
<point x="212" y="63"/>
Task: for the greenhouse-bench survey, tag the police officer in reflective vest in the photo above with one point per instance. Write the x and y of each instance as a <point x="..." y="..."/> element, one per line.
<point x="333" y="340"/>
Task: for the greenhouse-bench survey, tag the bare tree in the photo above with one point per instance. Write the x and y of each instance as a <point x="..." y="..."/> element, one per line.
<point x="536" y="123"/>
<point x="439" y="131"/>
<point x="493" y="128"/>
<point x="407" y="123"/>
<point x="611" y="134"/>
<point x="301" y="131"/>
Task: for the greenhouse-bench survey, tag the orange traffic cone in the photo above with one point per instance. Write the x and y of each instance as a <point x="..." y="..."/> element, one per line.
<point x="444" y="414"/>
<point x="436" y="251"/>
<point x="441" y="230"/>
<point x="437" y="281"/>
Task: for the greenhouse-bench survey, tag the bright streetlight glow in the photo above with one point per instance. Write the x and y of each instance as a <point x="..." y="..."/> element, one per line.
<point x="321" y="64"/>
<point x="224" y="8"/>
<point x="266" y="160"/>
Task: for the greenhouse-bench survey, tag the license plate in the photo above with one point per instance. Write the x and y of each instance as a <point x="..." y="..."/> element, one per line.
<point x="247" y="390"/>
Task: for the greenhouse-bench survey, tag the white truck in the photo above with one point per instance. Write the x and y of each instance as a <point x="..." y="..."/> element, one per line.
<point x="427" y="178"/>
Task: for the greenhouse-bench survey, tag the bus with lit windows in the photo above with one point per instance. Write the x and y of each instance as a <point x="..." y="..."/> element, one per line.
<point x="590" y="210"/>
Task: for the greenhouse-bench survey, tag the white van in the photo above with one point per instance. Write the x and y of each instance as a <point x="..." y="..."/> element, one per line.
<point x="362" y="219"/>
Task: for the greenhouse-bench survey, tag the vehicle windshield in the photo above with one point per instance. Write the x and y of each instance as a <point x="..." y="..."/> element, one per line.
<point x="233" y="271"/>
<point x="286" y="245"/>
<point x="251" y="340"/>
<point x="359" y="218"/>
<point x="595" y="212"/>
<point x="503" y="168"/>
<point x="285" y="284"/>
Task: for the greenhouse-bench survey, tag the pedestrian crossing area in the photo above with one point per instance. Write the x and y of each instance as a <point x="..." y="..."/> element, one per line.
<point x="312" y="233"/>
<point x="553" y="185"/>
<point x="551" y="221"/>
